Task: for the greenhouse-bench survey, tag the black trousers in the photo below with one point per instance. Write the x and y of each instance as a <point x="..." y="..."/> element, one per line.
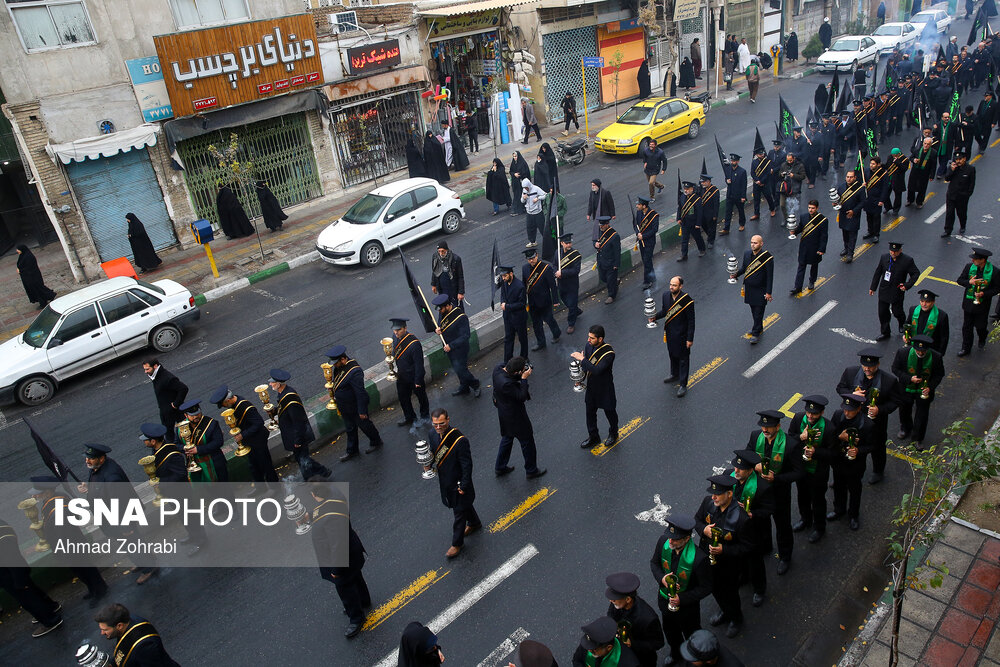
<point x="913" y="414"/>
<point x="534" y="223"/>
<point x="91" y="578"/>
<point x="34" y="600"/>
<point x="539" y="318"/>
<point x="261" y="463"/>
<point x="757" y="312"/>
<point x="725" y="588"/>
<point x="528" y="451"/>
<point x="591" y="413"/>
<point x="895" y="200"/>
<point x="800" y="274"/>
<point x="405" y="390"/>
<point x="609" y="276"/>
<point x="737" y="205"/>
<point x="571" y="298"/>
<point x="754" y="564"/>
<point x="811" y="495"/>
<point x="688" y="231"/>
<point x="473" y="140"/>
<point x="710" y="226"/>
<point x="879" y="434"/>
<point x="850" y="241"/>
<point x="509" y="331"/>
<point x="983" y="138"/>
<point x="527" y="132"/>
<point x="465" y="515"/>
<point x="646" y="252"/>
<point x="873" y="215"/>
<point x="460" y="364"/>
<point x="975" y="321"/>
<point x="758" y="192"/>
<point x="310" y="467"/>
<point x="959" y="206"/>
<point x="352" y="422"/>
<point x="679" y="366"/>
<point x="353" y="591"/>
<point x="782" y="518"/>
<point x="678" y="625"/>
<point x="886" y="311"/>
<point x="917" y="189"/>
<point x="847" y="486"/>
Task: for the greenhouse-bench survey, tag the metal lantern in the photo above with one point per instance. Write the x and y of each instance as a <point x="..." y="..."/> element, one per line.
<point x="89" y="655"/>
<point x="577" y="375"/>
<point x="424" y="458"/>
<point x="835" y="199"/>
<point x="790" y="224"/>
<point x="732" y="266"/>
<point x="296" y="512"/>
<point x="649" y="310"/>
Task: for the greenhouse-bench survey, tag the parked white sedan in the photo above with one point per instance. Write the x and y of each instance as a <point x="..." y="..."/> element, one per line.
<point x="937" y="16"/>
<point x="889" y="36"/>
<point x="848" y="52"/>
<point x="389" y="217"/>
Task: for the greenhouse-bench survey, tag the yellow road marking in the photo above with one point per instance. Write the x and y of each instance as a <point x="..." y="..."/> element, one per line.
<point x="786" y="408"/>
<point x="625" y="431"/>
<point x="901" y="456"/>
<point x="705" y="370"/>
<point x="976" y="157"/>
<point x="401" y="599"/>
<point x="943" y="280"/>
<point x="926" y="272"/>
<point x="822" y="280"/>
<point x="516" y="514"/>
<point x="892" y="225"/>
<point x="995" y="142"/>
<point x="862" y="250"/>
<point x="768" y="322"/>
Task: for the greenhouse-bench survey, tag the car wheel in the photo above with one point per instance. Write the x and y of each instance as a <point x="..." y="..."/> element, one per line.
<point x="372" y="253"/>
<point x="165" y="338"/>
<point x="452" y="221"/>
<point x="693" y="130"/>
<point x="35" y="390"/>
<point x="854" y="65"/>
<point x="643" y="147"/>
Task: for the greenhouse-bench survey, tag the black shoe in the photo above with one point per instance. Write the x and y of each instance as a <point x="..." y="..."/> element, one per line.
<point x="866" y="237"/>
<point x="461" y="391"/>
<point x="875" y="239"/>
<point x="325" y="474"/>
<point x="611" y="440"/>
<point x="682" y="258"/>
<point x="961" y="230"/>
<point x="477" y="392"/>
<point x="717" y="619"/>
<point x="843" y="253"/>
<point x="876" y="478"/>
<point x="903" y="434"/>
<point x="670" y="660"/>
<point x="500" y="472"/>
<point x="193" y="550"/>
<point x="590" y="442"/>
<point x="537" y="348"/>
<point x="758" y="600"/>
<point x="681" y="391"/>
<point x="833" y="516"/>
<point x="353" y="630"/>
<point x="405" y="422"/>
<point x="672" y="378"/>
<point x="946" y="235"/>
<point x="800" y="526"/>
<point x="538" y="473"/>
<point x="347" y="456"/>
<point x="815" y="536"/>
<point x="701" y="253"/>
<point x="963" y="353"/>
<point x="46" y="629"/>
<point x="853" y="524"/>
<point x="733" y="629"/>
<point x="882" y="337"/>
<point x="981" y="346"/>
<point x="794" y="292"/>
<point x="783" y="566"/>
<point x="373" y="446"/>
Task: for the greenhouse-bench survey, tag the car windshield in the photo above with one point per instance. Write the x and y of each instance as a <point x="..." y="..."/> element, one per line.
<point x="38" y="331"/>
<point x="367" y="210"/>
<point x="892" y="30"/>
<point x="845" y="45"/>
<point x="637" y="116"/>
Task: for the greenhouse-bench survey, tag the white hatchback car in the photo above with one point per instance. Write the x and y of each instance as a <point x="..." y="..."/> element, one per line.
<point x="848" y="52"/>
<point x="388" y="217"/>
<point x="93" y="325"/>
<point x="889" y="36"/>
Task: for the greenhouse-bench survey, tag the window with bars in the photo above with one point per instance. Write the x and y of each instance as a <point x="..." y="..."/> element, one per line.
<point x="556" y="14"/>
<point x="51" y="24"/>
<point x="370" y="137"/>
<point x="195" y="13"/>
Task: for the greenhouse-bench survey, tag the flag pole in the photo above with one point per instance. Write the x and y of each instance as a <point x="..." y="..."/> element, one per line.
<point x="431" y="313"/>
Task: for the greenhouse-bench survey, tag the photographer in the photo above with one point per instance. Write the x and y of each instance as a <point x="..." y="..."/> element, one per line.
<point x="510" y="393"/>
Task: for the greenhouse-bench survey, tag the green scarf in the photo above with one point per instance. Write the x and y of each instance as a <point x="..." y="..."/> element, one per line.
<point x="683" y="567"/>
<point x="917" y="366"/>
<point x="810" y="466"/>
<point x="777" y="451"/>
<point x="749" y="487"/>
<point x="987" y="276"/>
<point x="932" y="320"/>
<point x="610" y="660"/>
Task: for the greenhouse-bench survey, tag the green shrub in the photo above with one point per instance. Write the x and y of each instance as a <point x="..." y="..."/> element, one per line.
<point x="813" y="49"/>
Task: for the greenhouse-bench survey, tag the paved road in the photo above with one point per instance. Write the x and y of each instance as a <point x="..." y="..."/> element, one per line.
<point x="586" y="526"/>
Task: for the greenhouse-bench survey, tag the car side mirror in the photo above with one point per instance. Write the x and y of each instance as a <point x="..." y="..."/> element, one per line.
<point x="389" y="217"/>
<point x="657" y="121"/>
<point x="55" y="342"/>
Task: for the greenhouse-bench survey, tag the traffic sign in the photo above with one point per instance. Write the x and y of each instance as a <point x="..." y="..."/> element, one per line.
<point x="593" y="62"/>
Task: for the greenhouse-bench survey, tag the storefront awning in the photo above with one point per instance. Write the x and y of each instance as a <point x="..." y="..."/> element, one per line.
<point x="105" y="145"/>
<point x="401" y="76"/>
<point x="472" y="7"/>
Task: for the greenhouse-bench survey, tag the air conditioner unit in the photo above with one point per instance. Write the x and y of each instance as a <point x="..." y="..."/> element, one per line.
<point x="343" y="22"/>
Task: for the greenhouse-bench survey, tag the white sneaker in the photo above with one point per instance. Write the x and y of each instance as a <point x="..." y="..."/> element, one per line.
<point x="564" y="133"/>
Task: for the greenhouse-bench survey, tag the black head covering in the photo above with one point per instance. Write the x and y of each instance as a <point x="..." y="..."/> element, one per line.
<point x="518" y="165"/>
<point x="500" y="168"/>
<point x="31" y="277"/>
<point x="417" y="646"/>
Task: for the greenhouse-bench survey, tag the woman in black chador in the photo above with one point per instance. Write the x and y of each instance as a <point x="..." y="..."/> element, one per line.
<point x="497" y="188"/>
<point x="232" y="218"/>
<point x="414" y="160"/>
<point x="142" y="248"/>
<point x="270" y="207"/>
<point x="546" y="170"/>
<point x="418" y="647"/>
<point x="519" y="170"/>
<point x="434" y="162"/>
<point x="31" y="278"/>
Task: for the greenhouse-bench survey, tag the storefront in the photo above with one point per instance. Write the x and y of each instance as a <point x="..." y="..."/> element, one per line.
<point x="563" y="52"/>
<point x="624" y="40"/>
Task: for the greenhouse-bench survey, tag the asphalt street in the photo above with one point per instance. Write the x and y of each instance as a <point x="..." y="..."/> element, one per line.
<point x="540" y="567"/>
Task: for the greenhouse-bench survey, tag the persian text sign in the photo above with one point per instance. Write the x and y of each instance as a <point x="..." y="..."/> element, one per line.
<point x="373" y="57"/>
<point x="243" y="62"/>
<point x="463" y="23"/>
<point x="686" y="9"/>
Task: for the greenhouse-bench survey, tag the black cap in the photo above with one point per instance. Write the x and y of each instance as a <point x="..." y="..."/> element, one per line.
<point x="777" y="142"/>
<point x="441" y="300"/>
<point x="150" y="431"/>
<point x="960" y="152"/>
<point x="759" y="150"/>
<point x="567" y="238"/>
<point x="815" y="403"/>
<point x="281" y="375"/>
<point x="734" y="157"/>
<point x="858" y="103"/>
<point x="219" y="395"/>
<point x="769" y="418"/>
<point x="922" y="342"/>
<point x="530" y="252"/>
<point x="927" y="295"/>
<point x="335" y="352"/>
<point x="506" y="269"/>
<point x="596" y="181"/>
<point x="980" y="253"/>
<point x="533" y="654"/>
<point x="746" y="459"/>
<point x="851" y="401"/>
<point x="642" y="200"/>
<point x="720" y="484"/>
<point x="599" y="632"/>
<point x="797" y="128"/>
<point x="92" y="451"/>
<point x="870" y="356"/>
<point x="679" y="527"/>
<point x="705" y="177"/>
<point x="41" y="483"/>
<point x="621" y="585"/>
<point x="702" y="645"/>
<point x="398" y="322"/>
<point x="604" y="219"/>
<point x="192" y="407"/>
<point x="895" y="245"/>
<point x="688" y="184"/>
<point x="443" y="245"/>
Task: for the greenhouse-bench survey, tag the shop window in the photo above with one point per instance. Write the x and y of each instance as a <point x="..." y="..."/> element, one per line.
<point x="51" y="24"/>
<point x="191" y="13"/>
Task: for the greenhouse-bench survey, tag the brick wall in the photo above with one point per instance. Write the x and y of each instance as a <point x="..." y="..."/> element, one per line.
<point x="175" y="193"/>
<point x="329" y="173"/>
<point x="391" y="15"/>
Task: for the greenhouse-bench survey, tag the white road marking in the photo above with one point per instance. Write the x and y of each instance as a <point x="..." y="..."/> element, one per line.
<point x="698" y="147"/>
<point x="657" y="514"/>
<point x="847" y="334"/>
<point x="267" y="295"/>
<point x="971" y="240"/>
<point x="226" y="347"/>
<point x="472" y="596"/>
<point x="791" y="338"/>
<point x="934" y="216"/>
<point x="293" y="305"/>
<point x="507" y="646"/>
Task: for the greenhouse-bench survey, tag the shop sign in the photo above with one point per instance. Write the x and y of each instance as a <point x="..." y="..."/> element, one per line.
<point x="621" y="26"/>
<point x="238" y="63"/>
<point x="461" y="23"/>
<point x="378" y="56"/>
<point x="150" y="90"/>
<point x="686" y="9"/>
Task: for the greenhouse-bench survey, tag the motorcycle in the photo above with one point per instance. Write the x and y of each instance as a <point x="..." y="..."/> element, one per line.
<point x="573" y="151"/>
<point x="704" y="98"/>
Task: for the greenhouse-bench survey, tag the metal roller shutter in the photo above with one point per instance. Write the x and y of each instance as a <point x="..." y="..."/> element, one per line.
<point x="562" y="52"/>
<point x="109" y="188"/>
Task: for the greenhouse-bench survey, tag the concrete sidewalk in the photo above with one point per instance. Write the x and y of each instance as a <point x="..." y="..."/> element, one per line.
<point x="239" y="261"/>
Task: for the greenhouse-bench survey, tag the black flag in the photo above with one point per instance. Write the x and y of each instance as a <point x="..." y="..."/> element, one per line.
<point x="727" y="169"/>
<point x="786" y="119"/>
<point x="680" y="198"/>
<point x="704" y="167"/>
<point x="758" y="143"/>
<point x="494" y="275"/>
<point x="821" y="98"/>
<point x="978" y="23"/>
<point x="990" y="7"/>
<point x="419" y="302"/>
<point x="940" y="53"/>
<point x="842" y="100"/>
<point x="49" y="457"/>
<point x="834" y="93"/>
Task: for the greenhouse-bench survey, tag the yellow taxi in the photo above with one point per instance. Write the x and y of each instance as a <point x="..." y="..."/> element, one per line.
<point x="659" y="118"/>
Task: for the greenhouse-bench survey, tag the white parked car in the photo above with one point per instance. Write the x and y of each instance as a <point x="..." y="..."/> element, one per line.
<point x="91" y="326"/>
<point x="848" y="52"/>
<point x="389" y="217"/>
<point x="938" y="16"/>
<point x="889" y="36"/>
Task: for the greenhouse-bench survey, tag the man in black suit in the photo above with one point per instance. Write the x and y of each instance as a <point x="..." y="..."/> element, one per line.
<point x="15" y="580"/>
<point x="853" y="443"/>
<point x="453" y="326"/>
<point x="677" y="311"/>
<point x="568" y="276"/>
<point x="814" y="433"/>
<point x="961" y="179"/>
<point x="452" y="460"/>
<point x="638" y="626"/>
<point x="877" y="188"/>
<point x="409" y="355"/>
<point x="513" y="303"/>
<point x="920" y="370"/>
<point x="510" y="394"/>
<point x="540" y="289"/>
<point x="813" y="232"/>
<point x="981" y="283"/>
<point x="598" y="360"/>
<point x="929" y="320"/>
<point x="754" y="494"/>
<point x="881" y="396"/>
<point x="253" y="433"/>
<point x="352" y="403"/>
<point x="895" y="273"/>
<point x="851" y="202"/>
<point x="736" y="193"/>
<point x="293" y="422"/>
<point x="170" y="393"/>
<point x="758" y="282"/>
<point x="134" y="637"/>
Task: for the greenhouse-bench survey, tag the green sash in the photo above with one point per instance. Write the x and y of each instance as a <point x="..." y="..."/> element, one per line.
<point x="777" y="451"/>
<point x="810" y="466"/>
<point x="683" y="567"/>
<point x="204" y="461"/>
<point x="987" y="276"/>
<point x="932" y="320"/>
<point x="610" y="660"/>
<point x="917" y="366"/>
<point x="749" y="487"/>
